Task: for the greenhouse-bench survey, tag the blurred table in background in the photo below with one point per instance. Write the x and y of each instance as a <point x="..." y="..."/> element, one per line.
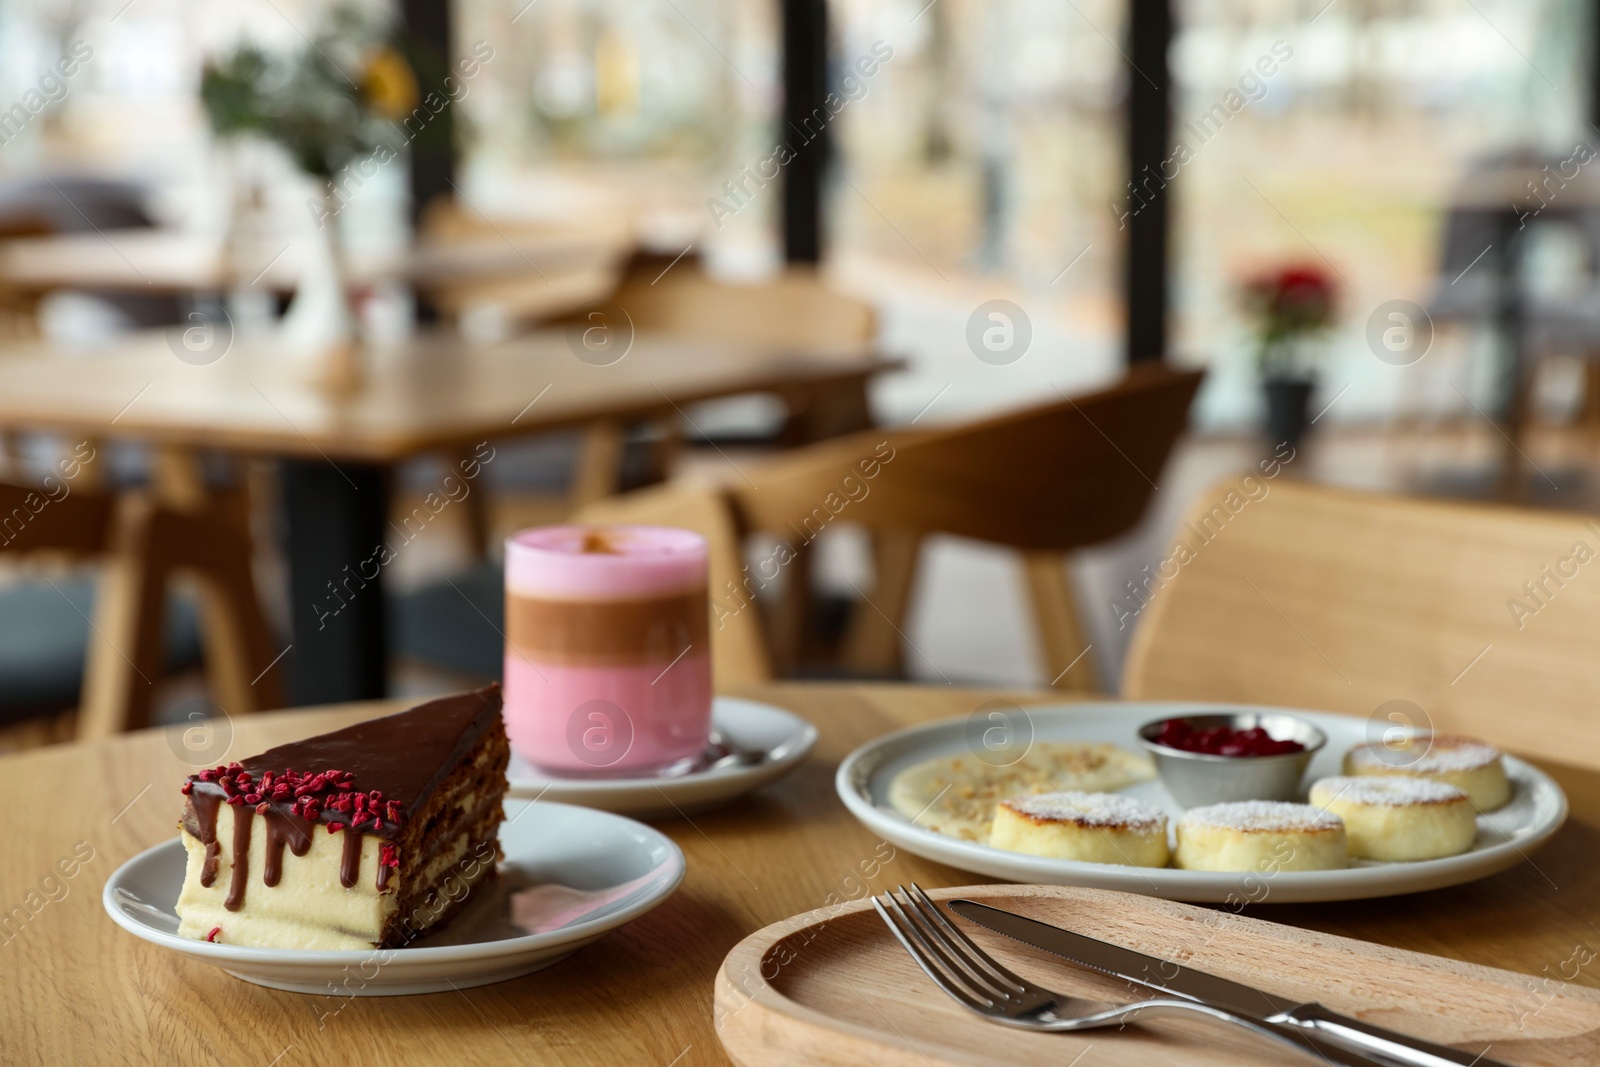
<point x="554" y="271"/>
<point x="1484" y="277"/>
<point x="436" y="394"/>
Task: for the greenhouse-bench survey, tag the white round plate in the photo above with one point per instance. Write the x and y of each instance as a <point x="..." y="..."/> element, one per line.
<point x="1505" y="838"/>
<point x="570" y="875"/>
<point x="784" y="738"/>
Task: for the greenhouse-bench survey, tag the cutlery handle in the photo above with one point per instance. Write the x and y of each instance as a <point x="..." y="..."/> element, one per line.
<point x="1401" y="1048"/>
<point x="1305" y="1038"/>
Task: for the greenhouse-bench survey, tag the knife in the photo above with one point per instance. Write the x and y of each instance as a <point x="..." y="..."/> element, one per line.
<point x="1170" y="978"/>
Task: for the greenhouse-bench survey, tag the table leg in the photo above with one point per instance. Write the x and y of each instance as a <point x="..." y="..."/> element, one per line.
<point x="1061" y="633"/>
<point x="216" y="544"/>
<point x="816" y="414"/>
<point x="599" y="462"/>
<point x="1511" y="323"/>
<point x="873" y="643"/>
<point x="336" y="527"/>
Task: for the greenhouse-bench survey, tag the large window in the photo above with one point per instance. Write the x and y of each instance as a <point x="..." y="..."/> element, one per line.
<point x="1347" y="156"/>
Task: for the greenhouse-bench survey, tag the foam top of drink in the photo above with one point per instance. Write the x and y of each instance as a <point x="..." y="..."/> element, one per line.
<point x="610" y="562"/>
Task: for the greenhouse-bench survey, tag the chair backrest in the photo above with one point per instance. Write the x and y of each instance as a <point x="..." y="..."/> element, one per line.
<point x="76" y="523"/>
<point x="1050" y="478"/>
<point x="139" y="544"/>
<point x="1056" y="477"/>
<point x="1480" y="620"/>
<point x="794" y="308"/>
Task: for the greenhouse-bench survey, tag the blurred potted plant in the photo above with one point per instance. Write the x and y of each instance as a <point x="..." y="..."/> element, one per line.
<point x="325" y="119"/>
<point x="1293" y="306"/>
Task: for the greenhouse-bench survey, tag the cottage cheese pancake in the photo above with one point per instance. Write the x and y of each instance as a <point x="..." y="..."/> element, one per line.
<point x="957" y="795"/>
<point x="1396" y="818"/>
<point x="1473" y="767"/>
<point x="1263" y="836"/>
<point x="1089" y="827"/>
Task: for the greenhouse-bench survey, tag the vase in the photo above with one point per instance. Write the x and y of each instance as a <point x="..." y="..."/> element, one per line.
<point x="1288" y="404"/>
<point x="318" y="328"/>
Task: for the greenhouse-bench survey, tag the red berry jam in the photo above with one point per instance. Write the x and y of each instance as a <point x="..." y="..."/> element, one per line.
<point x="1223" y="740"/>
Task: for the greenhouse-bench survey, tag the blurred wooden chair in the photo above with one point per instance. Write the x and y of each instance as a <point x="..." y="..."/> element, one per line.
<point x="19" y="308"/>
<point x="1046" y="481"/>
<point x="674" y="297"/>
<point x="139" y="546"/>
<point x="519" y="271"/>
<point x="795" y="308"/>
<point x="1484" y="618"/>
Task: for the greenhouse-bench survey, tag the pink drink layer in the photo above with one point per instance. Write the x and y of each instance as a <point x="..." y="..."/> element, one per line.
<point x="550" y="562"/>
<point x="613" y="719"/>
<point x="609" y="720"/>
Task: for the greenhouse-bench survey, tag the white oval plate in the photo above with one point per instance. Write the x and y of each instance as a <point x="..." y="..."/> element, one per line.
<point x="570" y="876"/>
<point x="784" y="737"/>
<point x="1505" y="838"/>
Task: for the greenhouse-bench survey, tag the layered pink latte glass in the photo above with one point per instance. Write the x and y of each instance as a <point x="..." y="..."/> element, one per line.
<point x="608" y="657"/>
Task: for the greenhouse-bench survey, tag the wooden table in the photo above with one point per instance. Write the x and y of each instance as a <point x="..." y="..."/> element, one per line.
<point x="78" y="989"/>
<point x="146" y="260"/>
<point x="438" y="393"/>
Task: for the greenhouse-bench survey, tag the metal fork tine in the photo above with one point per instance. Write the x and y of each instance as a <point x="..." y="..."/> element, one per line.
<point x="926" y="961"/>
<point x="926" y="905"/>
<point x="931" y="943"/>
<point x="951" y="954"/>
<point x="955" y="955"/>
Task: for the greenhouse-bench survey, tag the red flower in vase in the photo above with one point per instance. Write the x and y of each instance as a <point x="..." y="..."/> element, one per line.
<point x="1292" y="299"/>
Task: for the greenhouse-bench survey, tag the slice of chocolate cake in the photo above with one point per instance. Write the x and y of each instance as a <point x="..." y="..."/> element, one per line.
<point x="369" y="836"/>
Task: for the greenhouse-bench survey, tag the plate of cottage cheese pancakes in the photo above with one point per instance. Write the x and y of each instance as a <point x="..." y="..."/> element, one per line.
<point x="1202" y="802"/>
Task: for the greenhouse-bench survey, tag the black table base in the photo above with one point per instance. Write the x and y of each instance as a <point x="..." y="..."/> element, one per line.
<point x="335" y="520"/>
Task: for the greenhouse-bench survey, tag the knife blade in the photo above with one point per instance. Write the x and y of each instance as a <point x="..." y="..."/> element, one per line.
<point x="1152" y="972"/>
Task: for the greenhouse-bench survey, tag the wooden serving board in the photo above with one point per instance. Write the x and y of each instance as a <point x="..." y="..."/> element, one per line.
<point x="833" y="987"/>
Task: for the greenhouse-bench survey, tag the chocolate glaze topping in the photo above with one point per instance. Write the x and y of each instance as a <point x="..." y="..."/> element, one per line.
<point x="241" y="862"/>
<point x="350" y="860"/>
<point x="405" y="756"/>
<point x="205" y="810"/>
<point x="283" y="828"/>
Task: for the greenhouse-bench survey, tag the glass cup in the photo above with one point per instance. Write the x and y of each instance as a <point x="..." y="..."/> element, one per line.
<point x="608" y="654"/>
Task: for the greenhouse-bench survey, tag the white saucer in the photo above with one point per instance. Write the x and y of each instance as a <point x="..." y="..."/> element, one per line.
<point x="1506" y="837"/>
<point x="570" y="875"/>
<point x="782" y="738"/>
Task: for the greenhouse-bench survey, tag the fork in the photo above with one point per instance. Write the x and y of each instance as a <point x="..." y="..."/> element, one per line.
<point x="976" y="981"/>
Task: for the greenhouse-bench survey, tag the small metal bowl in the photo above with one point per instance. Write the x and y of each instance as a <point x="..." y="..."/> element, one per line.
<point x="1198" y="778"/>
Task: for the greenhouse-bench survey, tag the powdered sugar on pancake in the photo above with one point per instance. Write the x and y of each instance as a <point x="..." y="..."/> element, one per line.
<point x="1089" y="809"/>
<point x="1394" y="791"/>
<point x="1264" y="816"/>
<point x="1438" y="754"/>
<point x="956" y="795"/>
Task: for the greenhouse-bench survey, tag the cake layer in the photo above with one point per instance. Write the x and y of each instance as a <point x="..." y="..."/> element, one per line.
<point x="609" y="562"/>
<point x="308" y="907"/>
<point x="426" y="913"/>
<point x="314" y="858"/>
<point x="309" y="903"/>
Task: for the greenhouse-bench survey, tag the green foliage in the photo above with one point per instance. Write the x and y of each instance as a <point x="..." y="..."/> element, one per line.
<point x="311" y="101"/>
